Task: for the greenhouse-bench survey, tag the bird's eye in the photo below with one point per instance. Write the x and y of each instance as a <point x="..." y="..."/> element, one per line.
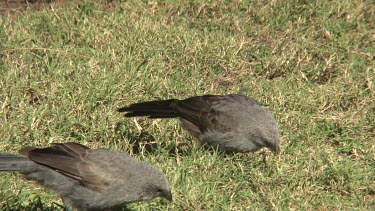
<point x="159" y="190"/>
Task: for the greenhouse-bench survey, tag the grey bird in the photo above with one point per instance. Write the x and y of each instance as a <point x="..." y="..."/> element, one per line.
<point x="232" y="123"/>
<point x="89" y="179"/>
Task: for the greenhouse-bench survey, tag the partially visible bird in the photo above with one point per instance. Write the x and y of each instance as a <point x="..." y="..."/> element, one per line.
<point x="89" y="179"/>
<point x="233" y="123"/>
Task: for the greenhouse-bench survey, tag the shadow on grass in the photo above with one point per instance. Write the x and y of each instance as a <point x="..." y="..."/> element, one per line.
<point x="146" y="142"/>
<point x="37" y="204"/>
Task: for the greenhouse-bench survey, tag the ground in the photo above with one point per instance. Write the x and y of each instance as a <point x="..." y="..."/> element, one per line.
<point x="66" y="66"/>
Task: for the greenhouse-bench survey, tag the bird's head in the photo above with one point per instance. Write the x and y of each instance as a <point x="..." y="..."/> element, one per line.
<point x="157" y="186"/>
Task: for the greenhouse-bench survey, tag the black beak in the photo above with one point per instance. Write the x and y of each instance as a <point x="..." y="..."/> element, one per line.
<point x="275" y="150"/>
<point x="168" y="195"/>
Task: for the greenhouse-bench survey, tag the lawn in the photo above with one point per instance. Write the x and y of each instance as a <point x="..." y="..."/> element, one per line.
<point x="66" y="67"/>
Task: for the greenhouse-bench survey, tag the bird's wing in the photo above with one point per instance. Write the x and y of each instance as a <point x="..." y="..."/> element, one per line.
<point x="202" y="112"/>
<point x="103" y="167"/>
<point x="71" y="160"/>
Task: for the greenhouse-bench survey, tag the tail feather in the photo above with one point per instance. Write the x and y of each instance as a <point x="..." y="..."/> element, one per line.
<point x="10" y="162"/>
<point x="152" y="109"/>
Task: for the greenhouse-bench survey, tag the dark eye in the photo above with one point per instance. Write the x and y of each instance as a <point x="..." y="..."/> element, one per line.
<point x="159" y="191"/>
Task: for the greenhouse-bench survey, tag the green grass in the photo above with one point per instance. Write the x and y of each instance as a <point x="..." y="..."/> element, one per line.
<point x="64" y="70"/>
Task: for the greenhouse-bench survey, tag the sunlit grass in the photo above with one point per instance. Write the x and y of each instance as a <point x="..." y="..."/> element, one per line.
<point x="65" y="69"/>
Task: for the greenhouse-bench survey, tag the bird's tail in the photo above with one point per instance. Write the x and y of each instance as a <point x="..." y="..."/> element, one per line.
<point x="151" y="109"/>
<point x="10" y="162"/>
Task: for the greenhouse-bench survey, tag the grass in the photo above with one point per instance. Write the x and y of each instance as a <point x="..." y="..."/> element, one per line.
<point x="65" y="69"/>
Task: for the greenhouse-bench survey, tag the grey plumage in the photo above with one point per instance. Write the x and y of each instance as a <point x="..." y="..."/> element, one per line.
<point x="89" y="179"/>
<point x="233" y="123"/>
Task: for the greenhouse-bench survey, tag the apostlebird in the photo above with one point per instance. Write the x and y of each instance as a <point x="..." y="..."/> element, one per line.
<point x="233" y="123"/>
<point x="89" y="179"/>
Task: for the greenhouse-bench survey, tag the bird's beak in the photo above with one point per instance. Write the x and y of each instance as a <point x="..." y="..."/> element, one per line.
<point x="168" y="195"/>
<point x="276" y="150"/>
